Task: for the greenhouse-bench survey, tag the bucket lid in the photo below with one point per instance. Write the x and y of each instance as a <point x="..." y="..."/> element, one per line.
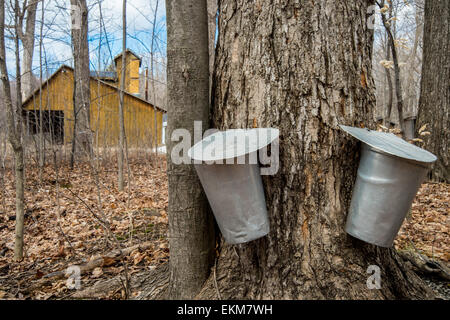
<point x="391" y="144"/>
<point x="232" y="143"/>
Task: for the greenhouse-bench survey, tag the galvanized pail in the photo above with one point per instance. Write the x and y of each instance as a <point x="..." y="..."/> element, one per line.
<point x="390" y="173"/>
<point x="226" y="163"/>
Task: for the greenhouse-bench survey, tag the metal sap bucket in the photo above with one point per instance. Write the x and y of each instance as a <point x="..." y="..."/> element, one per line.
<point x="234" y="191"/>
<point x="410" y="127"/>
<point x="390" y="173"/>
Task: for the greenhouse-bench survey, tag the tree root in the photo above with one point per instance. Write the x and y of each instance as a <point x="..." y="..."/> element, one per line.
<point x="423" y="265"/>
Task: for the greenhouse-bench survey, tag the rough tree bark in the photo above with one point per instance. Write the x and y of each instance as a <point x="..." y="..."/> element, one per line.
<point x="82" y="135"/>
<point x="434" y="102"/>
<point x="14" y="124"/>
<point x="121" y="97"/>
<point x="191" y="225"/>
<point x="303" y="67"/>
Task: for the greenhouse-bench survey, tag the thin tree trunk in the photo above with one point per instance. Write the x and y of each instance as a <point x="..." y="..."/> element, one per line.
<point x="294" y="66"/>
<point x="100" y="98"/>
<point x="387" y="119"/>
<point x="398" y="85"/>
<point x="14" y="124"/>
<point x="190" y="222"/>
<point x="27" y="39"/>
<point x="74" y="133"/>
<point x="41" y="131"/>
<point x="212" y="15"/>
<point x="411" y="89"/>
<point x="18" y="152"/>
<point x="434" y="103"/>
<point x="121" y="96"/>
<point x="3" y="142"/>
<point x="155" y="113"/>
<point x="82" y="135"/>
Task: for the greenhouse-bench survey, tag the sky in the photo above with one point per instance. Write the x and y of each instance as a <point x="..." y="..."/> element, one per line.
<point x="56" y="33"/>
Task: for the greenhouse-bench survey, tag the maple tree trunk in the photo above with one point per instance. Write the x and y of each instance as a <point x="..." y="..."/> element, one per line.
<point x="434" y="102"/>
<point x="82" y="135"/>
<point x="303" y="68"/>
<point x="191" y="225"/>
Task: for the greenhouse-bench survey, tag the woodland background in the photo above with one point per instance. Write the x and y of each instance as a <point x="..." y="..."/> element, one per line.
<point x="110" y="216"/>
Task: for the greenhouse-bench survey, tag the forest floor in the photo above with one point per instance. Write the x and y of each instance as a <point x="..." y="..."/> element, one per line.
<point x="75" y="217"/>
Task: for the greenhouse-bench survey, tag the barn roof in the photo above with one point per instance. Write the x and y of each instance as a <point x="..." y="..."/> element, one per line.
<point x="63" y="67"/>
<point x="109" y="75"/>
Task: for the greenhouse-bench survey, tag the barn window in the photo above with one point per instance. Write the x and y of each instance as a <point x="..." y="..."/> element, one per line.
<point x="53" y="124"/>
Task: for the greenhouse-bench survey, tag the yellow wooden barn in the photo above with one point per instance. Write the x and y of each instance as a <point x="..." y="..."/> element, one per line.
<point x="56" y="100"/>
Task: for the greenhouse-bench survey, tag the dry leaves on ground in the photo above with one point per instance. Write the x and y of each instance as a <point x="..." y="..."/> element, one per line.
<point x="427" y="227"/>
<point x="61" y="228"/>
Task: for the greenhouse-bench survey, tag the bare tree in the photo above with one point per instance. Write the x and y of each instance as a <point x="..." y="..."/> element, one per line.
<point x="41" y="120"/>
<point x="434" y="103"/>
<point x="27" y="39"/>
<point x="121" y="95"/>
<point x="82" y="135"/>
<point x="152" y="50"/>
<point x="14" y="123"/>
<point x="268" y="70"/>
<point x="190" y="222"/>
<point x="390" y="89"/>
<point x="412" y="82"/>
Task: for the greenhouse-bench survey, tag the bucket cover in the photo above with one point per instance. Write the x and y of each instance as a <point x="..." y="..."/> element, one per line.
<point x="232" y="143"/>
<point x="390" y="144"/>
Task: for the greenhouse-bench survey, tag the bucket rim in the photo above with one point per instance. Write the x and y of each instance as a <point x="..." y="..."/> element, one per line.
<point x="368" y="238"/>
<point x="425" y="165"/>
<point x="390" y="144"/>
<point x="231" y="148"/>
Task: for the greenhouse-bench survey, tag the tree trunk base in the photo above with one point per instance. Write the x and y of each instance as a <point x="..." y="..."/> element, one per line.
<point x="235" y="280"/>
<point x="425" y="266"/>
<point x="230" y="279"/>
